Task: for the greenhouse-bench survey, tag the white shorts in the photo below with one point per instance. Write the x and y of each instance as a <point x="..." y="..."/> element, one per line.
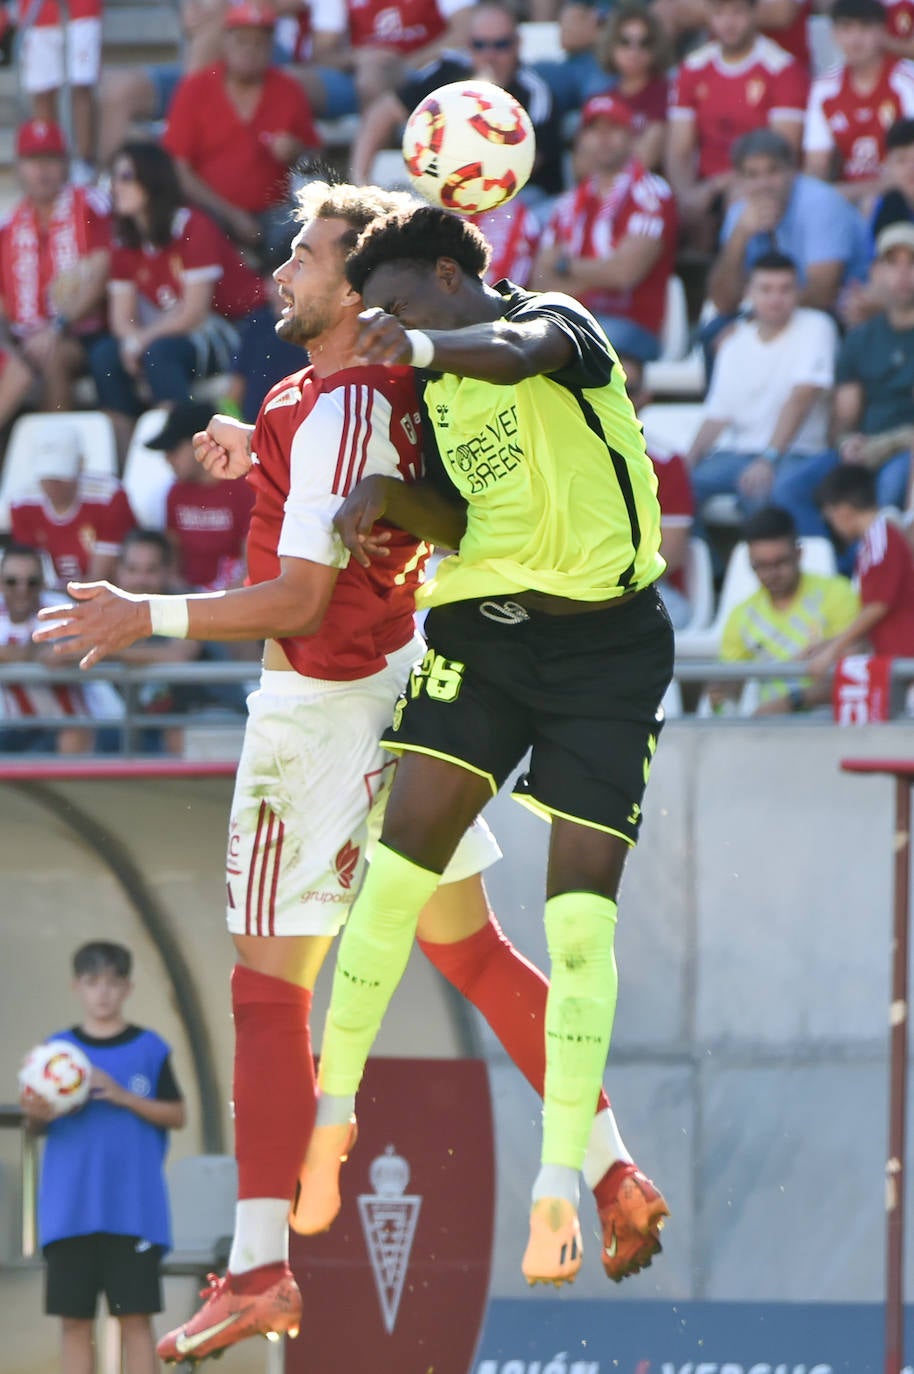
<point x="42" y="58"/>
<point x="310" y="792"/>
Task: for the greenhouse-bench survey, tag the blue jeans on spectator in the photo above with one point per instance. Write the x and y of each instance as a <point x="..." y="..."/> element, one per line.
<point x="169" y="366"/>
<point x="796" y="477"/>
<point x="630" y="340"/>
<point x="892" y="480"/>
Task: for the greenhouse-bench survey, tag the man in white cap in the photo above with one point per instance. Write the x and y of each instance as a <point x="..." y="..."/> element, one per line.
<point x="78" y="518"/>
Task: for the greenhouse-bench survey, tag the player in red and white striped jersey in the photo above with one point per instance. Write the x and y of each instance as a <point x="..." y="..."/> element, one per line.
<point x="341" y="642"/>
<point x="852" y="108"/>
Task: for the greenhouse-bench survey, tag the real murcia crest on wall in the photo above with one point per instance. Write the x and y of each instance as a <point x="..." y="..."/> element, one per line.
<point x="389" y="1216"/>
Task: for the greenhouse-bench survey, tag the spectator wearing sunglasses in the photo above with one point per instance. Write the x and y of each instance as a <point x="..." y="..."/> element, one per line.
<point x="22" y="585"/>
<point x="494" y="55"/>
<point x="635" y="55"/>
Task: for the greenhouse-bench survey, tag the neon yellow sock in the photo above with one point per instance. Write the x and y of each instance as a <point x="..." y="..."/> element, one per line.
<point x="372" y="957"/>
<point x="580" y="929"/>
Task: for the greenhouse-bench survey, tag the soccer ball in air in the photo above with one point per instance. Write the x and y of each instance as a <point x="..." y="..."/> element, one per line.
<point x="59" y="1073"/>
<point x="469" y="146"/>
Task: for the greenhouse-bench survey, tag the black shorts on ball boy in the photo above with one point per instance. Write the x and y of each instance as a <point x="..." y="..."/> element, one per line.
<point x="582" y="691"/>
<point x="125" y="1268"/>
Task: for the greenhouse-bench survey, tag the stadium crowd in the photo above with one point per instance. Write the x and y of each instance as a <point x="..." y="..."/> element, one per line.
<point x="698" y="139"/>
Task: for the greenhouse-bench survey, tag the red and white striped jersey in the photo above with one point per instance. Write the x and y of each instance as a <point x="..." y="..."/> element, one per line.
<point x="838" y="117"/>
<point x="19" y="702"/>
<point x="885" y="572"/>
<point x="729" y="99"/>
<point x="315" y="438"/>
<point x="590" y="223"/>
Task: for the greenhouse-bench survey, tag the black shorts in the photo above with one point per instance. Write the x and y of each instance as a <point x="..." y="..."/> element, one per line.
<point x="125" y="1268"/>
<point x="582" y="692"/>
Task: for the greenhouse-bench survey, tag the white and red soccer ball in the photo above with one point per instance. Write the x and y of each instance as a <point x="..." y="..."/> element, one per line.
<point x="469" y="146"/>
<point x="59" y="1073"/>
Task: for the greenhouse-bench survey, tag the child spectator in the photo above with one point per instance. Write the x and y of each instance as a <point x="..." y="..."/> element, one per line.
<point x="791" y="613"/>
<point x="884" y="570"/>
<point x="207" y="519"/>
<point x="102" y="1206"/>
<point x="852" y="108"/>
<point x="611" y="241"/>
<point x="55" y="55"/>
<point x="77" y="518"/>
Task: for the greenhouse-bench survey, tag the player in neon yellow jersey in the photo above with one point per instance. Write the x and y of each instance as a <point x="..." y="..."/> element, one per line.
<point x="545" y="633"/>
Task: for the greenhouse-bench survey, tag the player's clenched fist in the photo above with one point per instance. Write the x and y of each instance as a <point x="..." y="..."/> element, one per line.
<point x="224" y="447"/>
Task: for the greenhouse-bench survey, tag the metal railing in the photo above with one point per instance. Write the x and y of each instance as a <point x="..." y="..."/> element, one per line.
<point x="132" y="681"/>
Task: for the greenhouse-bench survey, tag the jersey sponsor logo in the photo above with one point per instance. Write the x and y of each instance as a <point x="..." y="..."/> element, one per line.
<point x="345" y="864"/>
<point x="389" y="1216"/>
<point x="490" y="455"/>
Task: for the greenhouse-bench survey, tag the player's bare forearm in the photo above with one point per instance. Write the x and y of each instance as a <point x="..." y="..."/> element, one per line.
<point x="103" y="620"/>
<point x="499" y="351"/>
<point x="417" y="507"/>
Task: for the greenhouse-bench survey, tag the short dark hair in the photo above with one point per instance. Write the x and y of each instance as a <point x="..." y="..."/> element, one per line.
<point x="156" y="538"/>
<point x="774" y="262"/>
<point x="100" y="956"/>
<point x="771" y="522"/>
<point x="419" y="235"/>
<point x="849" y="484"/>
<point x="900" y="135"/>
<point x="858" y="12"/>
<point x="19" y="551"/>
<point x="762" y="143"/>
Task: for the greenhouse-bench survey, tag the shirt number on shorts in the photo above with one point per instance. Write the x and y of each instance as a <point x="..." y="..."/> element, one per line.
<point x="441" y="678"/>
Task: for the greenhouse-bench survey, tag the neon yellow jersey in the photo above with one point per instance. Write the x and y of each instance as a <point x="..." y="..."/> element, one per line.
<point x="561" y="495"/>
<point x="755" y="629"/>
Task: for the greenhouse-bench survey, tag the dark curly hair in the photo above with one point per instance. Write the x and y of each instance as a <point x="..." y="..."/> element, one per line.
<point x="421" y="236"/>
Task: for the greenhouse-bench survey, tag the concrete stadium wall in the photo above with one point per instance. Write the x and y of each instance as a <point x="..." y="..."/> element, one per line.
<point x="748" y="1068"/>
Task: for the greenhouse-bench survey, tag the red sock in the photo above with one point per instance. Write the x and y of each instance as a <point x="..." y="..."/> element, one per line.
<point x="508" y="990"/>
<point x="274" y="1089"/>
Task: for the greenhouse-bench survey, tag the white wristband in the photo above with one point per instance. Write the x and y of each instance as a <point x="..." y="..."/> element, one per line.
<point x="170" y="616"/>
<point x="423" y="350"/>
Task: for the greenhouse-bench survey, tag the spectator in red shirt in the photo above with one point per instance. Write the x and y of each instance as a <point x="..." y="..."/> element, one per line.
<point x="635" y="54"/>
<point x="177" y="291"/>
<point x="77" y="518"/>
<point x="513" y="233"/>
<point x="611" y="241"/>
<point x="55" y="54"/>
<point x="787" y="22"/>
<point x="54" y="249"/>
<point x="236" y="129"/>
<point x="884" y="569"/>
<point x="900" y="37"/>
<point x="206" y="519"/>
<point x="852" y="108"/>
<point x="738" y="82"/>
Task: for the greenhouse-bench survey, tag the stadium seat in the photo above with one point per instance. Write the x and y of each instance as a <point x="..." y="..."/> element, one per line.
<point x="147" y="473"/>
<point x="670" y="428"/>
<point x="540" y="41"/>
<point x="680" y="370"/>
<point x="99" y="451"/>
<point x="817" y="556"/>
<point x="699" y="586"/>
<point x="202" y="1190"/>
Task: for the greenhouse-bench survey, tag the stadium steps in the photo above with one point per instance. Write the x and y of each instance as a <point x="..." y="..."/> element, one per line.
<point x="135" y="31"/>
